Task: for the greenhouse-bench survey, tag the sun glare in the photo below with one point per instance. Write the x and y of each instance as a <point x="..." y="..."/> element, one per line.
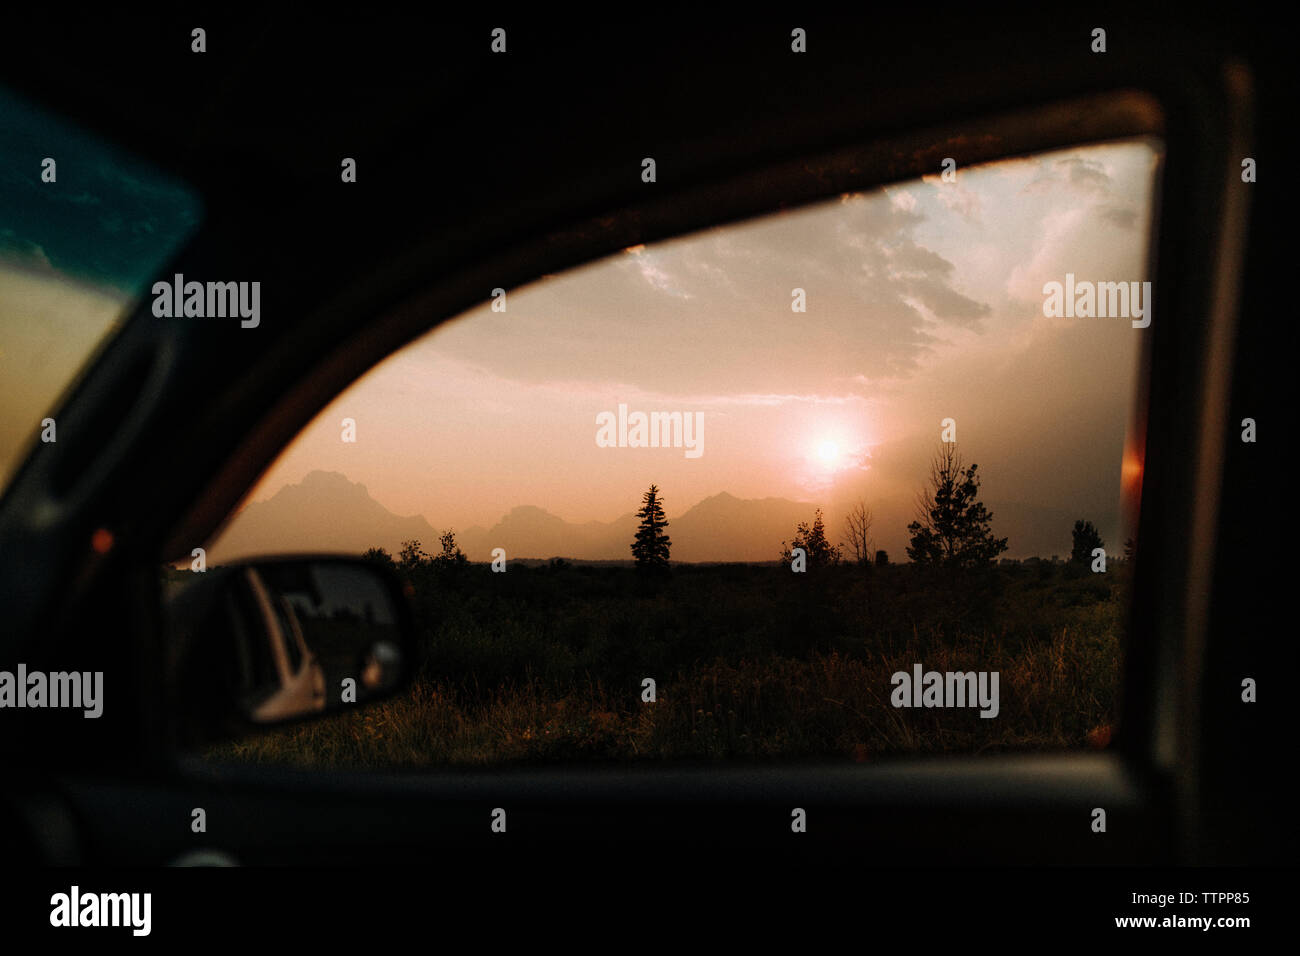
<point x="828" y="452"/>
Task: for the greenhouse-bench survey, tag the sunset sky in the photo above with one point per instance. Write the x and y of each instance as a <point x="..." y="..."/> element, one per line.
<point x="924" y="301"/>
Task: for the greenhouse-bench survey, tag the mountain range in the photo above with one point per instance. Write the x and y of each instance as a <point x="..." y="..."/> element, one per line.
<point x="328" y="512"/>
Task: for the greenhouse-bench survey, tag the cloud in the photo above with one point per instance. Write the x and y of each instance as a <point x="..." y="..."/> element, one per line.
<point x="901" y="199"/>
<point x="893" y="279"/>
<point x="956" y="197"/>
<point x="1084" y="176"/>
<point x="1124" y="216"/>
<point x="647" y="264"/>
<point x="770" y="399"/>
<point x="1089" y="178"/>
<point x="23" y="252"/>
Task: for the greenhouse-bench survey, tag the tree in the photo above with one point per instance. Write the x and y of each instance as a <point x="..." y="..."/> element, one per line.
<point x="651" y="545"/>
<point x="857" y="530"/>
<point x="1086" y="537"/>
<point x="380" y="555"/>
<point x="882" y="558"/>
<point x="451" y="556"/>
<point x="952" y="527"/>
<point x="412" y="555"/>
<point x="818" y="552"/>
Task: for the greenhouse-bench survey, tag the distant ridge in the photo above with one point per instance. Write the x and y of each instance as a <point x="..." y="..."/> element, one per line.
<point x="324" y="512"/>
<point x="328" y="512"/>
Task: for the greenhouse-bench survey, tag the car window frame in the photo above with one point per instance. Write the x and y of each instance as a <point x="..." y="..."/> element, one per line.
<point x="1082" y="121"/>
<point x="1165" y="668"/>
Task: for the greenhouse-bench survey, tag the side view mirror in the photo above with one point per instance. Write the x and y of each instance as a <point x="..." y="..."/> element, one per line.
<point x="272" y="640"/>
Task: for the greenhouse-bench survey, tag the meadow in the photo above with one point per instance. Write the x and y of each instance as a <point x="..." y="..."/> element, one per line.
<point x="546" y="663"/>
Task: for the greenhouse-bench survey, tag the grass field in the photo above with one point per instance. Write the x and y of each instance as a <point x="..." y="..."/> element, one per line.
<point x="545" y="664"/>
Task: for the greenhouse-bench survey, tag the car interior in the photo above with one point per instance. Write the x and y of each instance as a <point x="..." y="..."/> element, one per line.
<point x="477" y="171"/>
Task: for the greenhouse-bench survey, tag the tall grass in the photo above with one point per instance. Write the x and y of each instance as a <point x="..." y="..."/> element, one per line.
<point x="748" y="664"/>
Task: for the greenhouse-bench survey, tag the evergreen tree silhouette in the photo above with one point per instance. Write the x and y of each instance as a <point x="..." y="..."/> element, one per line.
<point x="651" y="545"/>
<point x="953" y="527"/>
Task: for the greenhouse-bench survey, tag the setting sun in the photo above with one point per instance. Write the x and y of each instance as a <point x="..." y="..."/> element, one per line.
<point x="558" y="416"/>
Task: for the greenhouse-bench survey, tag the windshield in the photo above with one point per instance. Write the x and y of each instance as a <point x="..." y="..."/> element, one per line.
<point x="83" y="228"/>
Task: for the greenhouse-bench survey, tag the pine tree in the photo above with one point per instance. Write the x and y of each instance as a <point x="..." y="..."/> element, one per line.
<point x="651" y="545"/>
<point x="952" y="527"/>
<point x="1085" y="538"/>
<point x="818" y="552"/>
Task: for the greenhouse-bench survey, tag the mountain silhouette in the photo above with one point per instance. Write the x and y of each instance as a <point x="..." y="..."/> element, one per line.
<point x="726" y="528"/>
<point x="327" y="512"/>
<point x="324" y="512"/>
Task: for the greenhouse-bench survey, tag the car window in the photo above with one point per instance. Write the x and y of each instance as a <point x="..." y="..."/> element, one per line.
<point x="846" y="481"/>
<point x="83" y="228"/>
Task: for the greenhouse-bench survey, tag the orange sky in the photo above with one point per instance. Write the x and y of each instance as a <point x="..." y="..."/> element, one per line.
<point x="924" y="302"/>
